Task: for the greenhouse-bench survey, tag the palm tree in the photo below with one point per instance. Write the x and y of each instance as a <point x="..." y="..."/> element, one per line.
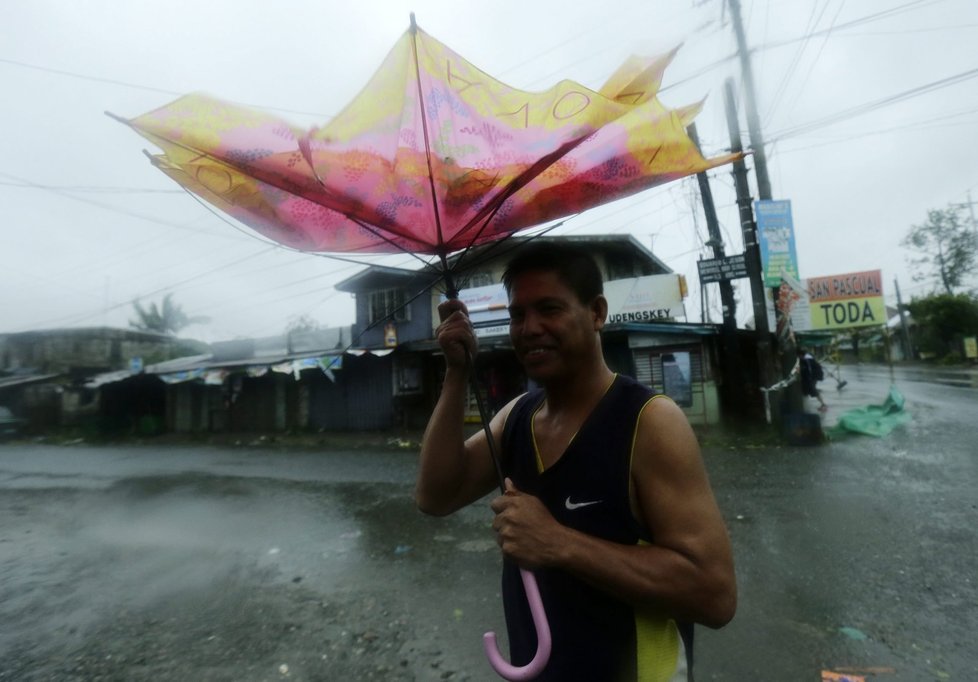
<point x="167" y="318"/>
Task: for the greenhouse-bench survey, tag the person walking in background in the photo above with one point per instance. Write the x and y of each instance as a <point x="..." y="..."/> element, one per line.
<point x="811" y="372"/>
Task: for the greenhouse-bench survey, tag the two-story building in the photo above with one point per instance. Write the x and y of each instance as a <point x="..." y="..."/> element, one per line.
<point x="42" y="372"/>
<point x="646" y="336"/>
<point x="385" y="370"/>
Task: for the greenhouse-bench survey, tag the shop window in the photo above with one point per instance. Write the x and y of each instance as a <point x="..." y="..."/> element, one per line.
<point x="389" y="304"/>
<point x="478" y="279"/>
<point x="408" y="378"/>
<point x="677" y="378"/>
<point x="619" y="266"/>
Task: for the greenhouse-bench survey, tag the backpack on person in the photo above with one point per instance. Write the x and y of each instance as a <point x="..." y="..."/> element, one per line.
<point x="818" y="374"/>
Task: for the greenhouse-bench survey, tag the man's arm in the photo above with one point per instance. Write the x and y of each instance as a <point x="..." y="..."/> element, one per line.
<point x="688" y="571"/>
<point x="453" y="471"/>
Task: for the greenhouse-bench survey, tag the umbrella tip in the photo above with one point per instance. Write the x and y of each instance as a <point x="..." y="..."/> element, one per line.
<point x="414" y="24"/>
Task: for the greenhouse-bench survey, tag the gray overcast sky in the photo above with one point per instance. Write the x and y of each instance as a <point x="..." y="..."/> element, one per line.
<point x="88" y="225"/>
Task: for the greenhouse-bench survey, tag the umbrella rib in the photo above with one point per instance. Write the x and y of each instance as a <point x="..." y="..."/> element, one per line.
<point x="277" y="182"/>
<point x="521" y="181"/>
<point x="427" y="143"/>
<point x="376" y="232"/>
<point x="255" y="235"/>
<point x="489" y="253"/>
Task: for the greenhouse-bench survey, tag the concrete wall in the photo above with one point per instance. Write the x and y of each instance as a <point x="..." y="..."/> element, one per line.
<point x="67" y="350"/>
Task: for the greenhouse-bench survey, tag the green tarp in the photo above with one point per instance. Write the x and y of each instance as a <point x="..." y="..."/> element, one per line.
<point x="872" y="420"/>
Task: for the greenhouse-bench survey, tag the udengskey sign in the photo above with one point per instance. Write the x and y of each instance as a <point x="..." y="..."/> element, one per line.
<point x="636" y="299"/>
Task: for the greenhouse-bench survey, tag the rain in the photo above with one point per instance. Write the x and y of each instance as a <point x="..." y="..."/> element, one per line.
<point x="231" y="551"/>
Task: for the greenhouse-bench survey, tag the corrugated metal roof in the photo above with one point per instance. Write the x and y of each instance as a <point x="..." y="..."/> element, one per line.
<point x="7" y="382"/>
<point x="666" y="328"/>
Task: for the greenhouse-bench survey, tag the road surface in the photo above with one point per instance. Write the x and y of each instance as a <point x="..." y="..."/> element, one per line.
<point x="151" y="562"/>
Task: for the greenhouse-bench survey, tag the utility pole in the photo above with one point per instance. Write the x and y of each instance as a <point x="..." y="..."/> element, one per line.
<point x="752" y="251"/>
<point x="791" y="393"/>
<point x="715" y="241"/>
<point x="733" y="377"/>
<point x="750" y="105"/>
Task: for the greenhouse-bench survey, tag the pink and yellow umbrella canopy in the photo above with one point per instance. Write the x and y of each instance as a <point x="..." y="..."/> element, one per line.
<point x="432" y="156"/>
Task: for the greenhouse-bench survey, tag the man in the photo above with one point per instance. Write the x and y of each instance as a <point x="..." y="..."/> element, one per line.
<point x="607" y="498"/>
<point x="810" y="374"/>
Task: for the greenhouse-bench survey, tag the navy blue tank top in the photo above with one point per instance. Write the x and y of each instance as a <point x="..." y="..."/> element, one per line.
<point x="595" y="636"/>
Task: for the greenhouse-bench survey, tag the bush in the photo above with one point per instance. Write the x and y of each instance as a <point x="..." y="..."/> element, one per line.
<point x="943" y="320"/>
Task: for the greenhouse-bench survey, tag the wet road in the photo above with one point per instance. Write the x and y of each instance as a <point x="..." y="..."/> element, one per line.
<point x="859" y="553"/>
<point x="177" y="563"/>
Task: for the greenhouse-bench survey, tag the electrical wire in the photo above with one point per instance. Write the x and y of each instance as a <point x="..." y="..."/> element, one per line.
<point x="869" y="18"/>
<point x="149" y="88"/>
<point x="796" y="59"/>
<point x="818" y="55"/>
<point x="931" y="124"/>
<point x="114" y="209"/>
<point x="160" y="290"/>
<point x="867" y="107"/>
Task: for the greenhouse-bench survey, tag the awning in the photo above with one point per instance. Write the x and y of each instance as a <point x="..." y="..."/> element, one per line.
<point x="8" y="382"/>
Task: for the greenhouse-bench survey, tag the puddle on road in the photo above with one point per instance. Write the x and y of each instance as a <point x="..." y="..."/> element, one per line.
<point x="156" y="535"/>
<point x="150" y="541"/>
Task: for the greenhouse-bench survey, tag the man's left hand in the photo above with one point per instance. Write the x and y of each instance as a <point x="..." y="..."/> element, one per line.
<point x="527" y="533"/>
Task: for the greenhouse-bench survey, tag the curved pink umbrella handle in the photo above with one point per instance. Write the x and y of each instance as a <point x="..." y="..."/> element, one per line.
<point x="536" y="666"/>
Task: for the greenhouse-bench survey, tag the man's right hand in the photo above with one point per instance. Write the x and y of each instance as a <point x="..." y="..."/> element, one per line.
<point x="455" y="334"/>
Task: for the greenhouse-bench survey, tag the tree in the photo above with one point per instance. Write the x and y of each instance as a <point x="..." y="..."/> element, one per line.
<point x="302" y="323"/>
<point x="948" y="248"/>
<point x="167" y="318"/>
<point x="943" y="320"/>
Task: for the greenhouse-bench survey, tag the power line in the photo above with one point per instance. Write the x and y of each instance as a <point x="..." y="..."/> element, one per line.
<point x="869" y="18"/>
<point x="150" y="88"/>
<point x="552" y="48"/>
<point x="168" y="288"/>
<point x="108" y="207"/>
<point x="91" y="189"/>
<point x="861" y="109"/>
<point x="930" y="124"/>
<point x="790" y="71"/>
<point x="932" y="29"/>
<point x="821" y="47"/>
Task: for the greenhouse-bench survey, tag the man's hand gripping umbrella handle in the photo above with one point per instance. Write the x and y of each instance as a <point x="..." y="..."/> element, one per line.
<point x="504" y="669"/>
<point x="529" y="671"/>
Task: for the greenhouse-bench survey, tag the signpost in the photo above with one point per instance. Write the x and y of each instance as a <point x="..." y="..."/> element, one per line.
<point x="722" y="269"/>
<point x="652" y="298"/>
<point x="776" y="236"/>
<point x="844" y="301"/>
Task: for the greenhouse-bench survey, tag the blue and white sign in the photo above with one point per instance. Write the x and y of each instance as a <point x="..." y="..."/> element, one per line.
<point x="651" y="298"/>
<point x="776" y="238"/>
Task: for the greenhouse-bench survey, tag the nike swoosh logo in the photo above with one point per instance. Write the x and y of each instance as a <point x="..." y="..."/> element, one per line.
<point x="577" y="505"/>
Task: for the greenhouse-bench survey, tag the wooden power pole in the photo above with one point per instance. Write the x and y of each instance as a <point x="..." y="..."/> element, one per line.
<point x="752" y="253"/>
<point x="792" y="393"/>
<point x="731" y="367"/>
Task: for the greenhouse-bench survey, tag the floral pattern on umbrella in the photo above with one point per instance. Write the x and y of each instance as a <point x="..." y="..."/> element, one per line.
<point x="432" y="156"/>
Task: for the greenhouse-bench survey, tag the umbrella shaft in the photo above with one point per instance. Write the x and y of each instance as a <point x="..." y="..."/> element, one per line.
<point x="484" y="418"/>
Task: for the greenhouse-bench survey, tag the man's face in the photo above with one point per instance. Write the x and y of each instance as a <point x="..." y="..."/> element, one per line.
<point x="553" y="333"/>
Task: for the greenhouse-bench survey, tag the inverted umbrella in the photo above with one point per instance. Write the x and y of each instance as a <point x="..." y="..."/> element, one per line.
<point x="432" y="157"/>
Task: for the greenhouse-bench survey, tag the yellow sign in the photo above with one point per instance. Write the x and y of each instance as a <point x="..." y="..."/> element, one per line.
<point x="390" y="335"/>
<point x="843" y="301"/>
<point x="970" y="347"/>
<point x="852" y="312"/>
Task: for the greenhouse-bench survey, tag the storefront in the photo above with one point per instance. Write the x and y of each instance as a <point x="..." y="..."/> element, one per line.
<point x="641" y="340"/>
